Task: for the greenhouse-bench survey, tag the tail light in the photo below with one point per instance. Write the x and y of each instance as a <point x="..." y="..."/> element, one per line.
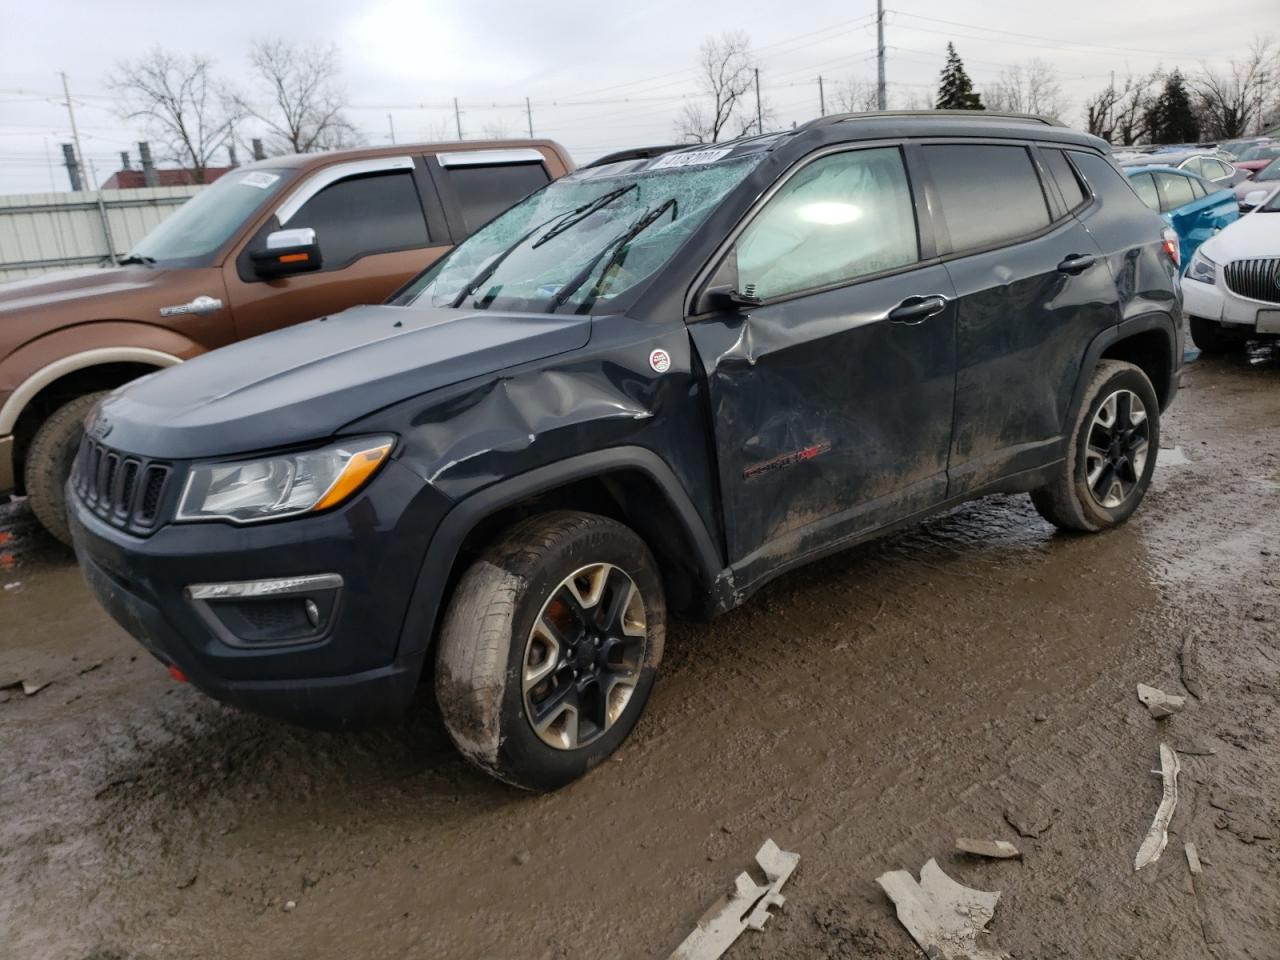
<point x="1171" y="246"/>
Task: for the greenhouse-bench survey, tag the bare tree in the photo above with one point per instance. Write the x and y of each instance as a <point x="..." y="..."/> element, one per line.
<point x="302" y="99"/>
<point x="1030" y="87"/>
<point x="1120" y="114"/>
<point x="726" y="73"/>
<point x="856" y="95"/>
<point x="180" y="102"/>
<point x="1230" y="102"/>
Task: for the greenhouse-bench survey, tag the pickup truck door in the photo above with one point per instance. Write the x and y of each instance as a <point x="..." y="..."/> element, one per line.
<point x="373" y="236"/>
<point x="832" y="398"/>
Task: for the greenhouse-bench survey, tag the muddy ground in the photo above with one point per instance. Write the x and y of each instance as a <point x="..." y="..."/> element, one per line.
<point x="959" y="678"/>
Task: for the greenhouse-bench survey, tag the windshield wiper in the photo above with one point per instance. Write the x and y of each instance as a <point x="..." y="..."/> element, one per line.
<point x="584" y="211"/>
<point x="619" y="246"/>
<point x="135" y="258"/>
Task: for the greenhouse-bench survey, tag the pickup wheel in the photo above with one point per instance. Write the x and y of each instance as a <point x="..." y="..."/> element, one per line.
<point x="48" y="463"/>
<point x="549" y="648"/>
<point x="1112" y="453"/>
<point x="1210" y="337"/>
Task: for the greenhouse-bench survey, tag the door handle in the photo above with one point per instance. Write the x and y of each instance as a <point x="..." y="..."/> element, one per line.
<point x="917" y="309"/>
<point x="1077" y="263"/>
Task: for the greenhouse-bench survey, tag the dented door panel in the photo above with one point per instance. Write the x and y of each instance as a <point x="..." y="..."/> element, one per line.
<point x="828" y="416"/>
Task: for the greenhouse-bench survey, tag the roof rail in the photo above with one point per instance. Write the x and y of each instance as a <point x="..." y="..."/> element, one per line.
<point x="966" y="114"/>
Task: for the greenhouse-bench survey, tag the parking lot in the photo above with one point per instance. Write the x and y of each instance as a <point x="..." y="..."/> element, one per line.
<point x="973" y="676"/>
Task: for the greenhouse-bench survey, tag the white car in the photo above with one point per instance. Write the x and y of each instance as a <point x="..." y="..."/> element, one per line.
<point x="1231" y="290"/>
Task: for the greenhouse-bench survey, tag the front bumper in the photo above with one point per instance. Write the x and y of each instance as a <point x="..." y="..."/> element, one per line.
<point x="357" y="669"/>
<point x="1215" y="302"/>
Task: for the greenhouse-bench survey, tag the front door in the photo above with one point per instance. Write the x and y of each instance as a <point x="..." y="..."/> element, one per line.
<point x="372" y="234"/>
<point x="831" y="400"/>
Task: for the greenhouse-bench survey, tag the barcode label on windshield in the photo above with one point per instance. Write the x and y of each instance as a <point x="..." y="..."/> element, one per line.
<point x="259" y="179"/>
<point x="693" y="158"/>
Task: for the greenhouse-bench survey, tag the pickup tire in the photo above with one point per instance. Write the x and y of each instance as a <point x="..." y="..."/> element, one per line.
<point x="1111" y="454"/>
<point x="549" y="648"/>
<point x="48" y="463"/>
<point x="1210" y="337"/>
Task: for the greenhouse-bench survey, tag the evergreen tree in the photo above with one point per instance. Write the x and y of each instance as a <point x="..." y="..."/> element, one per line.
<point x="955" y="89"/>
<point x="1171" y="118"/>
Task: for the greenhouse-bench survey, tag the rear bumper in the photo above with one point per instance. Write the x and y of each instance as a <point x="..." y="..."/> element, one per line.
<point x="358" y="668"/>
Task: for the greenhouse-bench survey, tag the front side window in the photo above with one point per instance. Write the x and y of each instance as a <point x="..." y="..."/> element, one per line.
<point x="990" y="194"/>
<point x="1146" y="188"/>
<point x="585" y="239"/>
<point x="839" y="218"/>
<point x="210" y="218"/>
<point x="1175" y="191"/>
<point x="359" y="216"/>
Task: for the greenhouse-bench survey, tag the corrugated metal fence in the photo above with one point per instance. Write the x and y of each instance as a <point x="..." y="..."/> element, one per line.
<point x="53" y="231"/>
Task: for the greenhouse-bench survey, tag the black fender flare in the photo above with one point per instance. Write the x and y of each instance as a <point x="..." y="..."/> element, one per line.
<point x="1161" y="322"/>
<point x="467" y="513"/>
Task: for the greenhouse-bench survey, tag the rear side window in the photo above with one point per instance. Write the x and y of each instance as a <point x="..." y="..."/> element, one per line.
<point x="483" y="192"/>
<point x="1064" y="177"/>
<point x="1107" y="182"/>
<point x="1175" y="191"/>
<point x="1146" y="188"/>
<point x="1201" y="187"/>
<point x="358" y="216"/>
<point x="839" y="218"/>
<point x="990" y="194"/>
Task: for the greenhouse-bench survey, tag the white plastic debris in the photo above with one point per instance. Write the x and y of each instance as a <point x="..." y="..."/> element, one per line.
<point x="1159" y="703"/>
<point x="997" y="849"/>
<point x="1158" y="836"/>
<point x="747" y="907"/>
<point x="1193" y="859"/>
<point x="943" y="917"/>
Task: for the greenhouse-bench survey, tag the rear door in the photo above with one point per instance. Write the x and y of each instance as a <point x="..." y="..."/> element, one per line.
<point x="1195" y="220"/>
<point x="1032" y="291"/>
<point x="831" y="400"/>
<point x="373" y="236"/>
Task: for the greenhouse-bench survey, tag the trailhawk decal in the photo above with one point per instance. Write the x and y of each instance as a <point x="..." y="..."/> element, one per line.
<point x="786" y="460"/>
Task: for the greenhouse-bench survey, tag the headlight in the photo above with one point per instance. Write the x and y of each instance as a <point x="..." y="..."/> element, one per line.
<point x="267" y="488"/>
<point x="1202" y="268"/>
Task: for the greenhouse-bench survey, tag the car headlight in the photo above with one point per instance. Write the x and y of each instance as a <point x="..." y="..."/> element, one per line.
<point x="284" y="485"/>
<point x="1202" y="268"/>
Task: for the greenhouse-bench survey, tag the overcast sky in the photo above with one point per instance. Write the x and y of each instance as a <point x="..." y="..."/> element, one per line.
<point x="600" y="76"/>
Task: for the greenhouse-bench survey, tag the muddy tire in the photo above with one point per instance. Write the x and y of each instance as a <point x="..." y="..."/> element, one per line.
<point x="1112" y="453"/>
<point x="1210" y="337"/>
<point x="48" y="463"/>
<point x="549" y="648"/>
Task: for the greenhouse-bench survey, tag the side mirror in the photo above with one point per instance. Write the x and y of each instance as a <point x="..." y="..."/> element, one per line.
<point x="1252" y="199"/>
<point x="722" y="290"/>
<point x="287" y="252"/>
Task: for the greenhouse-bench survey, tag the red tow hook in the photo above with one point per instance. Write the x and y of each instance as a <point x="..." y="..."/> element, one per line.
<point x="177" y="674"/>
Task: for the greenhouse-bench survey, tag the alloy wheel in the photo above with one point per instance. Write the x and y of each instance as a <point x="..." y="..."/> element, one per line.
<point x="583" y="656"/>
<point x="1117" y="448"/>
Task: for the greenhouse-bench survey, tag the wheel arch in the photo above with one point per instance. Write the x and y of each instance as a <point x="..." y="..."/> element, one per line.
<point x="630" y="484"/>
<point x="1149" y="342"/>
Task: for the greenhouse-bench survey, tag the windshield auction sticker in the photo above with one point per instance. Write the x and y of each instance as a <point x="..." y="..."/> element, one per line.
<point x="694" y="158"/>
<point x="259" y="179"/>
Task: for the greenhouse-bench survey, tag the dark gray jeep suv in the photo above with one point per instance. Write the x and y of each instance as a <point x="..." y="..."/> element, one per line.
<point x="651" y="386"/>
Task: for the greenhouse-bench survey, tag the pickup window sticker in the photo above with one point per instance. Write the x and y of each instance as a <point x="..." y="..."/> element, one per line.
<point x="694" y="158"/>
<point x="259" y="179"/>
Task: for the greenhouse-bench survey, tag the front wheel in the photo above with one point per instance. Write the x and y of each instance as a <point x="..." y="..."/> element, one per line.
<point x="1112" y="453"/>
<point x="48" y="463"/>
<point x="549" y="648"/>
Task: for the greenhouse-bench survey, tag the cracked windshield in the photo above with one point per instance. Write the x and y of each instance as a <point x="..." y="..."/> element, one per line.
<point x="583" y="240"/>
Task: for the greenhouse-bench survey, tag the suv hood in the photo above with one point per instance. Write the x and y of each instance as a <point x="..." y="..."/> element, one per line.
<point x="304" y="383"/>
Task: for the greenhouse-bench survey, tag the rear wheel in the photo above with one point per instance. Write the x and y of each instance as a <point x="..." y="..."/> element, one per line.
<point x="1210" y="337"/>
<point x="49" y="460"/>
<point x="549" y="648"/>
<point x="1112" y="453"/>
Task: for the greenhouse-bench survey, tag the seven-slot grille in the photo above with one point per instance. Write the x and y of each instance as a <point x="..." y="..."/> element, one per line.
<point x="1255" y="279"/>
<point x="122" y="489"/>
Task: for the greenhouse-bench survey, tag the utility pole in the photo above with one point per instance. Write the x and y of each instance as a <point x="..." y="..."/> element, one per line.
<point x="822" y="100"/>
<point x="528" y="112"/>
<point x="457" y="117"/>
<point x="881" y="100"/>
<point x="88" y="171"/>
<point x="759" y="111"/>
<point x="392" y="125"/>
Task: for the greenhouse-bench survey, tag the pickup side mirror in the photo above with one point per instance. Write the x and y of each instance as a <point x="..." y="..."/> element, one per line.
<point x="287" y="252"/>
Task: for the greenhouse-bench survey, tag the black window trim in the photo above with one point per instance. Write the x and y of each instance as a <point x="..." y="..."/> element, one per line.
<point x="1050" y="180"/>
<point x="924" y="235"/>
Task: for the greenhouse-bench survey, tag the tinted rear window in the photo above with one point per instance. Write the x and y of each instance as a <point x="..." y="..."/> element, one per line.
<point x="989" y="194"/>
<point x="1107" y="182"/>
<point x="1064" y="176"/>
<point x="483" y="192"/>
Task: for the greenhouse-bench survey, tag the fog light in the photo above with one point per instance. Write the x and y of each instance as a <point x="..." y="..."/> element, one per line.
<point x="313" y="612"/>
<point x="267" y="613"/>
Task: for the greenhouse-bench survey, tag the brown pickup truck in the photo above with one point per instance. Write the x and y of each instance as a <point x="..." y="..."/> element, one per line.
<point x="269" y="244"/>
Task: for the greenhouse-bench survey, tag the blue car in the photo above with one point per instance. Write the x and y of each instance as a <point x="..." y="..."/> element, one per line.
<point x="1196" y="208"/>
